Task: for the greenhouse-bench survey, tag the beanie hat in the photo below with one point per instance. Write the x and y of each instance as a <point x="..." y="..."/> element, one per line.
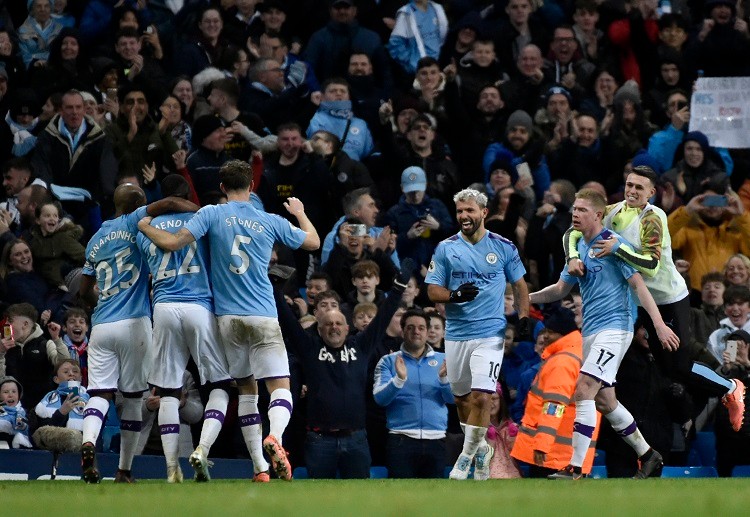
<point x="628" y="92"/>
<point x="710" y="4"/>
<point x="25" y="102"/>
<point x="558" y="90"/>
<point x="561" y="320"/>
<point x="504" y="161"/>
<point x="14" y="380"/>
<point x="203" y="127"/>
<point x="643" y="159"/>
<point x="519" y="118"/>
<point x="700" y="138"/>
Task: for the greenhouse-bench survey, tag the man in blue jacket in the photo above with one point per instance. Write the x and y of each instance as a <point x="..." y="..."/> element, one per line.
<point x="413" y="386"/>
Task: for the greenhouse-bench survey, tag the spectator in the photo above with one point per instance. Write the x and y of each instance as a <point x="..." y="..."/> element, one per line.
<point x="420" y="220"/>
<point x="412" y="384"/>
<point x="335" y="115"/>
<point x="365" y="279"/>
<point x="37" y="32"/>
<point x="20" y="126"/>
<point x="335" y="366"/>
<point x="722" y="44"/>
<point x="737" y="270"/>
<point x="663" y="144"/>
<point x="737" y="311"/>
<point x="11" y="62"/>
<point x="182" y="88"/>
<point x="420" y="31"/>
<point x="16" y="176"/>
<point x="315" y="284"/>
<point x="522" y="28"/>
<point x="591" y="40"/>
<point x="635" y="38"/>
<point x="582" y="157"/>
<point x="367" y="95"/>
<point x="297" y="73"/>
<point x="671" y="75"/>
<point x="329" y="48"/>
<point x="566" y="65"/>
<point x="68" y="67"/>
<point x="76" y="329"/>
<point x="135" y="69"/>
<point x="706" y="236"/>
<point x="348" y="174"/>
<point x="707" y="318"/>
<point x="28" y="355"/>
<point x="501" y="435"/>
<point x="436" y="332"/>
<point x="555" y="118"/>
<point x="207" y="48"/>
<point x="362" y="315"/>
<point x="698" y="165"/>
<point x="13" y="421"/>
<point x="173" y="122"/>
<point x="503" y="175"/>
<point x="209" y="141"/>
<point x="63" y="407"/>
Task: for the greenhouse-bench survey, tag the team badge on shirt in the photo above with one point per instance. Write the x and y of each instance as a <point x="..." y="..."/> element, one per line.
<point x="431" y="267"/>
<point x="354" y="130"/>
<point x="491" y="258"/>
<point x="432" y="362"/>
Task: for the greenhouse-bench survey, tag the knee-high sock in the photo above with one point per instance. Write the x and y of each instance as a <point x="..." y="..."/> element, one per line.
<point x="94" y="415"/>
<point x="213" y="418"/>
<point x="130" y="430"/>
<point x="279" y="411"/>
<point x="711" y="376"/>
<point x="169" y="428"/>
<point x="252" y="430"/>
<point x="583" y="430"/>
<point x="624" y="424"/>
<point x="473" y="439"/>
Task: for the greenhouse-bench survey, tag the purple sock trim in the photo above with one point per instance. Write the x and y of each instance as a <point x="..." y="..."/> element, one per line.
<point x="272" y="378"/>
<point x="215" y="414"/>
<point x="130" y="425"/>
<point x="585" y="430"/>
<point x="169" y="429"/>
<point x="628" y="430"/>
<point x="281" y="402"/>
<point x="247" y="420"/>
<point x="92" y="411"/>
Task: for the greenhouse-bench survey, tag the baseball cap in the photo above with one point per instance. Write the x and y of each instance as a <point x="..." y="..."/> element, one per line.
<point x="740" y="334"/>
<point x="413" y="179"/>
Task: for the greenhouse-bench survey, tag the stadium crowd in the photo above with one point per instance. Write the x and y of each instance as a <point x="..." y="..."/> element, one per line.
<point x="374" y="114"/>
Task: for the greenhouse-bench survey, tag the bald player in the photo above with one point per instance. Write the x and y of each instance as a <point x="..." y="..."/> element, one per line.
<point x="121" y="324"/>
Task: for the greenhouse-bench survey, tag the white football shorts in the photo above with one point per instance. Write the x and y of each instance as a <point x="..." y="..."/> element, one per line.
<point x="119" y="355"/>
<point x="254" y="346"/>
<point x="603" y="353"/>
<point x="474" y="364"/>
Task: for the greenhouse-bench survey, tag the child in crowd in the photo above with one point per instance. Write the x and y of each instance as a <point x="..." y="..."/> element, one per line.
<point x="317" y="283"/>
<point x="13" y="421"/>
<point x="363" y="314"/>
<point x="58" y="255"/>
<point x="63" y="407"/>
<point x="501" y="435"/>
<point x="410" y="293"/>
<point x="76" y="328"/>
<point x="365" y="278"/>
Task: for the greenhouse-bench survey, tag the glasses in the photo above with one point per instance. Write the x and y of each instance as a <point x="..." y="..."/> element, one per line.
<point x="420" y="127"/>
<point x="565" y="40"/>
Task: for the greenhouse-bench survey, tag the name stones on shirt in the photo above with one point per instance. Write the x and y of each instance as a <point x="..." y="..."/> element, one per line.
<point x="245" y="223"/>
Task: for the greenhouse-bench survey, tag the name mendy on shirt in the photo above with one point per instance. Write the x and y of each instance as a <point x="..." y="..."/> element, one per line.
<point x="245" y="223"/>
<point x="119" y="234"/>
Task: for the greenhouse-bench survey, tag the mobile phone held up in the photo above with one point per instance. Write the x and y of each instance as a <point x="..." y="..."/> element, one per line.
<point x="7" y="331"/>
<point x="732" y="350"/>
<point x="715" y="201"/>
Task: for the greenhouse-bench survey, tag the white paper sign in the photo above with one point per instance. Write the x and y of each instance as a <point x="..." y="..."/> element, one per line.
<point x="720" y="109"/>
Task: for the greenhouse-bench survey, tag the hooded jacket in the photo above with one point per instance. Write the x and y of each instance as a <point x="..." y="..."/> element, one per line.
<point x="334" y="117"/>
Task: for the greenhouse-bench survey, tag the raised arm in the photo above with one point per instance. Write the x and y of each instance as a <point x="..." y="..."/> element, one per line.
<point x="295" y="207"/>
<point x="171" y="204"/>
<point x="668" y="339"/>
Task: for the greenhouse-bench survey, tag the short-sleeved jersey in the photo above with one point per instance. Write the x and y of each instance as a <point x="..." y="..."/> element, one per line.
<point x="182" y="275"/>
<point x="241" y="239"/>
<point x="489" y="263"/>
<point x="112" y="256"/>
<point x="608" y="302"/>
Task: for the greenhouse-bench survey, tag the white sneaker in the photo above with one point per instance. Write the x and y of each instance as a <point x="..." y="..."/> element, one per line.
<point x="174" y="474"/>
<point x="482" y="463"/>
<point x="199" y="461"/>
<point x="461" y="468"/>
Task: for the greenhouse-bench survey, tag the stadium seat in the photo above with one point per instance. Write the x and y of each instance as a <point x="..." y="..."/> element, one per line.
<point x="598" y="472"/>
<point x="600" y="457"/>
<point x="299" y="473"/>
<point x="378" y="473"/>
<point x="689" y="472"/>
<point x="704" y="446"/>
<point x="741" y="471"/>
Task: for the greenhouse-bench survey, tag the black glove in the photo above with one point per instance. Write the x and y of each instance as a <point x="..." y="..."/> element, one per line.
<point x="525" y="329"/>
<point x="407" y="270"/>
<point x="465" y="293"/>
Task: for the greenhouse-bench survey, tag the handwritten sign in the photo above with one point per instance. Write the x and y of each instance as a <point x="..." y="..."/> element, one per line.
<point x="720" y="109"/>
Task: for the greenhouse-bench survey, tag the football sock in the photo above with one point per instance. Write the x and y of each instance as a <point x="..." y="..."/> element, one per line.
<point x="473" y="439"/>
<point x="213" y="418"/>
<point x="130" y="430"/>
<point x="624" y="424"/>
<point x="714" y="378"/>
<point x="583" y="430"/>
<point x="93" y="418"/>
<point x="169" y="428"/>
<point x="279" y="411"/>
<point x="252" y="430"/>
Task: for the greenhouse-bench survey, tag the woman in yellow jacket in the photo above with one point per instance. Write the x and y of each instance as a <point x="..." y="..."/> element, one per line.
<point x="545" y="437"/>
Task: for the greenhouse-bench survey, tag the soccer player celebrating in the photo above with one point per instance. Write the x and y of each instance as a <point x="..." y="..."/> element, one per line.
<point x="468" y="273"/>
<point x="184" y="325"/>
<point x="608" y="318"/>
<point x="645" y="226"/>
<point x="241" y="239"/>
<point x="121" y="325"/>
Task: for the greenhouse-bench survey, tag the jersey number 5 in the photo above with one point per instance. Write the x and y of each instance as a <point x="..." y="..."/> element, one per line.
<point x="122" y="268"/>
<point x="237" y="252"/>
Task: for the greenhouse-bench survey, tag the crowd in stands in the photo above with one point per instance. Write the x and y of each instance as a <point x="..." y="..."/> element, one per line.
<point x="373" y="114"/>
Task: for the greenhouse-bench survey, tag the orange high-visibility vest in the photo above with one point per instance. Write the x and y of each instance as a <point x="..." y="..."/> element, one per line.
<point x="547" y="423"/>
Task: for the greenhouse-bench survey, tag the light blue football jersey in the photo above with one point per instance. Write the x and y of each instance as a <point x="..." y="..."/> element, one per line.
<point x="182" y="275"/>
<point x="112" y="256"/>
<point x="608" y="302"/>
<point x="489" y="263"/>
<point x="241" y="239"/>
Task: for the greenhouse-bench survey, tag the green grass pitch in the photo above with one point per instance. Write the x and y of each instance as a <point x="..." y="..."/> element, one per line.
<point x="653" y="497"/>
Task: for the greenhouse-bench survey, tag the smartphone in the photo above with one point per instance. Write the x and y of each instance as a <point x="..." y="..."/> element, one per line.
<point x="112" y="93"/>
<point x="74" y="391"/>
<point x="715" y="201"/>
<point x="7" y="331"/>
<point x="524" y="171"/>
<point x="732" y="349"/>
<point x="358" y="230"/>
